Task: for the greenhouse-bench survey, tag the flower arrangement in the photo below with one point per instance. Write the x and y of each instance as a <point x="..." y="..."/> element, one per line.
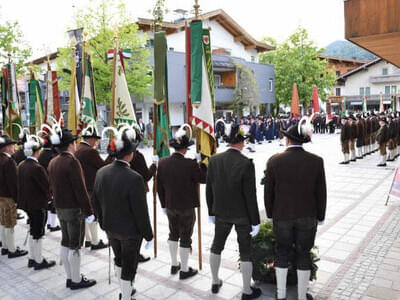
<point x="263" y="246"/>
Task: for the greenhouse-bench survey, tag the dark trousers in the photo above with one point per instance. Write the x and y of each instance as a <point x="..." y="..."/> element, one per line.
<point x="72" y="224"/>
<point x="126" y="252"/>
<point x="223" y="227"/>
<point x="181" y="223"/>
<point x="37" y="222"/>
<point x="301" y="233"/>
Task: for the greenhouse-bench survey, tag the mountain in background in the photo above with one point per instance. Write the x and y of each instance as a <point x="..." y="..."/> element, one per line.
<point x="346" y="49"/>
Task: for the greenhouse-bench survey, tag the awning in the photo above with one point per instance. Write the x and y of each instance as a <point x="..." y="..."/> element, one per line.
<point x="387" y="102"/>
<point x="335" y="104"/>
<point x="355" y="103"/>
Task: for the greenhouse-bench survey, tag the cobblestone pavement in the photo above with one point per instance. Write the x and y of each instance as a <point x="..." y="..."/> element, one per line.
<point x="358" y="245"/>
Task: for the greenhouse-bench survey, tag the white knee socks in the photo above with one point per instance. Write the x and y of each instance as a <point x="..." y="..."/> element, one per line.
<point x="184" y="255"/>
<point x="281" y="277"/>
<point x="173" y="251"/>
<point x="74" y="258"/>
<point x="303" y="277"/>
<point x="64" y="258"/>
<point x="38" y="250"/>
<point x="126" y="289"/>
<point x="215" y="262"/>
<point x="52" y="219"/>
<point x="246" y="267"/>
<point x="9" y="233"/>
<point x="3" y="237"/>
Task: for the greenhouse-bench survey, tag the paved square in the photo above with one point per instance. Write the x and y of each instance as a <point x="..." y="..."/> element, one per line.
<point x="359" y="244"/>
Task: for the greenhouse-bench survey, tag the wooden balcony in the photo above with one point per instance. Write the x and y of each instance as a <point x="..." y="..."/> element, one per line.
<point x="375" y="26"/>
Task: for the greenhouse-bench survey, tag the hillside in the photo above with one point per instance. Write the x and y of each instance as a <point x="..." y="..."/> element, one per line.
<point x="345" y="49"/>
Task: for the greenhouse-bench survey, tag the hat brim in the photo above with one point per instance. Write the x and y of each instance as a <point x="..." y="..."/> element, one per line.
<point x="91" y="136"/>
<point x="8" y="143"/>
<point x="174" y="144"/>
<point x="295" y="138"/>
<point x="64" y="143"/>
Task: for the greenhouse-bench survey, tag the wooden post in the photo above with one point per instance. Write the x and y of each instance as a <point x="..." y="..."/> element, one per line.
<point x="199" y="229"/>
<point x="114" y="75"/>
<point x="155" y="118"/>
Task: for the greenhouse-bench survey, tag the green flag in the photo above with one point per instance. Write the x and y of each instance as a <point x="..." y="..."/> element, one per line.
<point x="89" y="111"/>
<point x="344" y="110"/>
<point x="3" y="89"/>
<point x="36" y="111"/>
<point x="364" y="105"/>
<point x="161" y="110"/>
<point x="13" y="105"/>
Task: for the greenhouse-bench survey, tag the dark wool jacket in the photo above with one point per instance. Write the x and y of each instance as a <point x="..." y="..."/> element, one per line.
<point x="68" y="184"/>
<point x="177" y="180"/>
<point x="8" y="177"/>
<point x="119" y="201"/>
<point x="345" y="133"/>
<point x="33" y="186"/>
<point x="91" y="162"/>
<point x="295" y="186"/>
<point x="45" y="157"/>
<point x="231" y="187"/>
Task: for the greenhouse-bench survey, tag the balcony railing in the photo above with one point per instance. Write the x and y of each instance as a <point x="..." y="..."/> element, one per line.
<point x="385" y="79"/>
<point x="223" y="94"/>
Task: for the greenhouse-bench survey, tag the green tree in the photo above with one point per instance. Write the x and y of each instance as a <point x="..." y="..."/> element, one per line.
<point x="297" y="60"/>
<point x="99" y="20"/>
<point x="12" y="41"/>
<point x="246" y="91"/>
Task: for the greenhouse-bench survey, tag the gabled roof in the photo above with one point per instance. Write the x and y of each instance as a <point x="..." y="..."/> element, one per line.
<point x="360" y="68"/>
<point x="220" y="16"/>
<point x="340" y="59"/>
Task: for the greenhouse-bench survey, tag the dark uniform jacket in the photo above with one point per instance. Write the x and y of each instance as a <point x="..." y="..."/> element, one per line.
<point x="231" y="187"/>
<point x="295" y="186"/>
<point x="19" y="156"/>
<point x="45" y="157"/>
<point x="392" y="130"/>
<point x="177" y="180"/>
<point x="360" y="134"/>
<point x="8" y="177"/>
<point x="68" y="184"/>
<point x="353" y="131"/>
<point x="119" y="201"/>
<point x="91" y="162"/>
<point x="139" y="165"/>
<point x="382" y="136"/>
<point x="33" y="186"/>
<point x="345" y="133"/>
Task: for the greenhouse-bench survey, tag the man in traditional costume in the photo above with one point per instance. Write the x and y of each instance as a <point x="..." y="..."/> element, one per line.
<point x="177" y="185"/>
<point x="91" y="162"/>
<point x="33" y="198"/>
<point x="72" y="205"/>
<point x="382" y="137"/>
<point x="295" y="199"/>
<point x="345" y="136"/>
<point x="232" y="201"/>
<point x="8" y="198"/>
<point x="119" y="201"/>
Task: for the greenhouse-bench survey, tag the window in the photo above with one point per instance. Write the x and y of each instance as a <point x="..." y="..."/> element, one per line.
<point x="337" y="73"/>
<point x="367" y="91"/>
<point x="387" y="90"/>
<point x="217" y="80"/>
<point x="384" y="71"/>
<point x="270" y="85"/>
<point x="337" y="91"/>
<point x="394" y="90"/>
<point x="362" y="91"/>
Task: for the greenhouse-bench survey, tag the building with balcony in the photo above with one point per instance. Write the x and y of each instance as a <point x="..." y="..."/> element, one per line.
<point x="373" y="80"/>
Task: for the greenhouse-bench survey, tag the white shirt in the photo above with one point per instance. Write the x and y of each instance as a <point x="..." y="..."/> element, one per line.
<point x="124" y="161"/>
<point x="294" y="146"/>
<point x="32" y="158"/>
<point x="7" y="154"/>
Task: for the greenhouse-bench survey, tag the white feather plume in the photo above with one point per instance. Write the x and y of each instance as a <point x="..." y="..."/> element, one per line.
<point x="2" y="140"/>
<point x="305" y="127"/>
<point x="22" y="131"/>
<point x="119" y="144"/>
<point x="181" y="131"/>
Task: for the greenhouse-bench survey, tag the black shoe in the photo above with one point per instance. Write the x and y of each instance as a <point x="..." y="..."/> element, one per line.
<point x="1" y="244"/>
<point x="31" y="263"/>
<point x="353" y="160"/>
<point x="143" y="259"/>
<point x="175" y="269"/>
<point x="4" y="251"/>
<point x="68" y="283"/>
<point x="360" y="157"/>
<point x="255" y="294"/>
<point x="99" y="246"/>
<point x="85" y="283"/>
<point x="88" y="244"/>
<point x="44" y="265"/>
<point x="252" y="151"/>
<point x="17" y="253"/>
<point x="20" y="217"/>
<point x="133" y="293"/>
<point x="309" y="297"/>
<point x="381" y="165"/>
<point x="344" y="163"/>
<point x="390" y="160"/>
<point x="48" y="226"/>
<point x="52" y="229"/>
<point x="188" y="274"/>
<point x="215" y="287"/>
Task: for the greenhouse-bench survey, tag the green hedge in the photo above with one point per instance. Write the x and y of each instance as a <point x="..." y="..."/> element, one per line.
<point x="263" y="258"/>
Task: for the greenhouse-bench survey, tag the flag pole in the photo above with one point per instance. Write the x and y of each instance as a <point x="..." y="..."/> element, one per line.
<point x="10" y="127"/>
<point x="196" y="7"/>
<point x="114" y="74"/>
<point x="155" y="181"/>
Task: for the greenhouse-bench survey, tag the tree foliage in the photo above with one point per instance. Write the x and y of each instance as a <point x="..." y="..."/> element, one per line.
<point x="297" y="60"/>
<point x="99" y="20"/>
<point x="12" y="40"/>
<point x="246" y="91"/>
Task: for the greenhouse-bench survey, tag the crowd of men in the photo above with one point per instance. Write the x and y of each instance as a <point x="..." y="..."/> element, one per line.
<point x="86" y="191"/>
<point x="367" y="133"/>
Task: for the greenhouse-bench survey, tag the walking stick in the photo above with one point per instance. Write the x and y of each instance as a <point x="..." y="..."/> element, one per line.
<point x="155" y="213"/>
<point x="109" y="263"/>
<point x="199" y="229"/>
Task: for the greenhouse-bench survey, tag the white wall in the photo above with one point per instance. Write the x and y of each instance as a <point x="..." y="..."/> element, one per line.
<point x="176" y="114"/>
<point x="362" y="79"/>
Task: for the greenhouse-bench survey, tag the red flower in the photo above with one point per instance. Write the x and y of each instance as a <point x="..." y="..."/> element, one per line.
<point x="112" y="145"/>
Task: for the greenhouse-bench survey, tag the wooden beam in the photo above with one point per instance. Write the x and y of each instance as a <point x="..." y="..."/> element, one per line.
<point x="250" y="47"/>
<point x="238" y="38"/>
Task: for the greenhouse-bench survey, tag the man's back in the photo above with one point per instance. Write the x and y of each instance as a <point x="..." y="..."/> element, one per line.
<point x="231" y="188"/>
<point x="295" y="185"/>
